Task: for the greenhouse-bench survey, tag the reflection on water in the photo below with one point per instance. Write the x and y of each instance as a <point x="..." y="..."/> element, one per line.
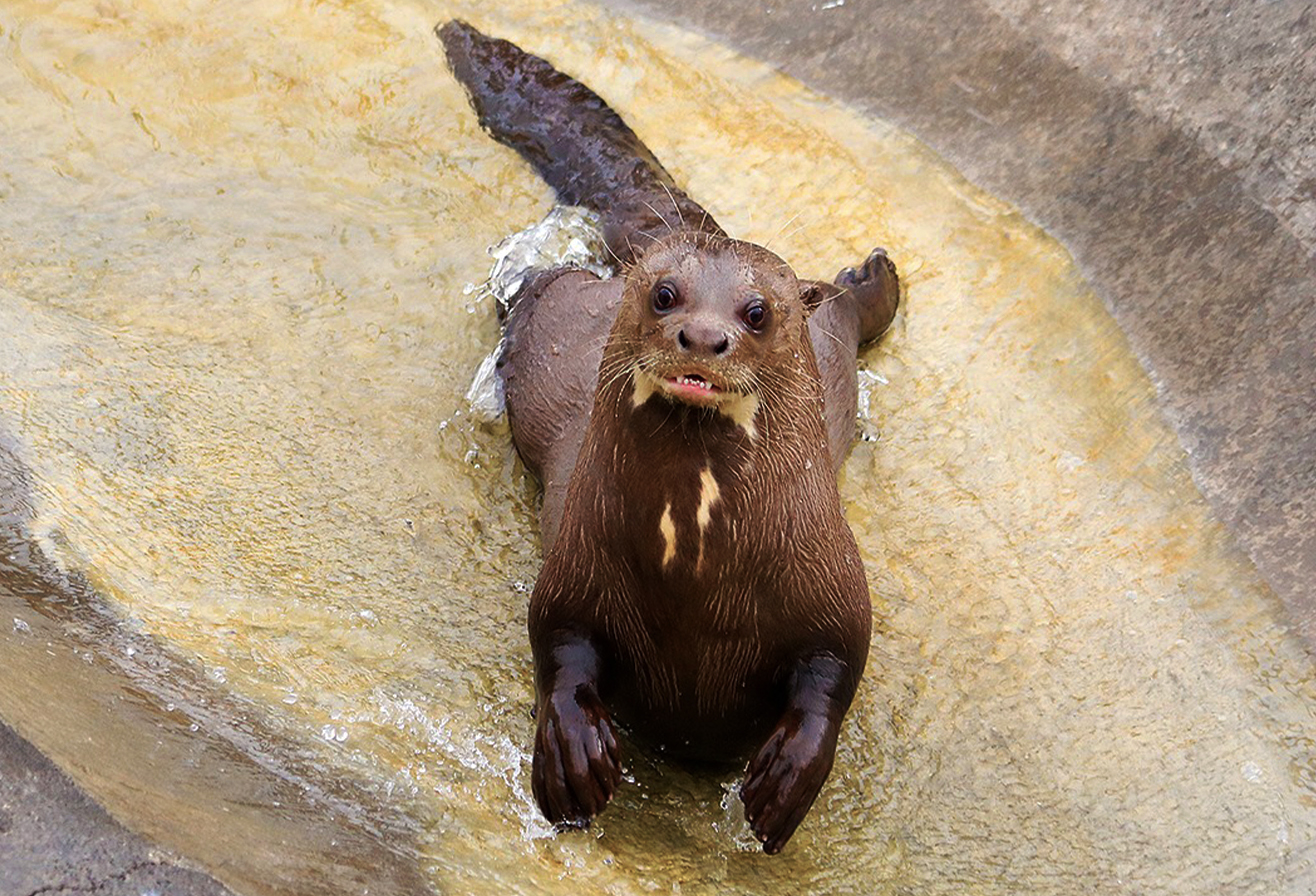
<point x="236" y="348"/>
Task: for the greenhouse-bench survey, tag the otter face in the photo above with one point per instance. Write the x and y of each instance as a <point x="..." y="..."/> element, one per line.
<point x="706" y="317"/>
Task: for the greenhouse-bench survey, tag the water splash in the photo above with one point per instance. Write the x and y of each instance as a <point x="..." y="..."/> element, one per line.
<point x="568" y="236"/>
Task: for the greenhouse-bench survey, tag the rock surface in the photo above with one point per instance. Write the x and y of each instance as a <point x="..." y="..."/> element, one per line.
<point x="54" y="839"/>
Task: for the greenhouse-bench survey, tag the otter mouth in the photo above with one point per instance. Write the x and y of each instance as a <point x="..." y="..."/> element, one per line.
<point x="693" y="388"/>
<point x="697" y="388"/>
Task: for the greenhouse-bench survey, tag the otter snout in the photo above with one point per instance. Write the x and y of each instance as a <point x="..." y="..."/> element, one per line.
<point x="703" y="337"/>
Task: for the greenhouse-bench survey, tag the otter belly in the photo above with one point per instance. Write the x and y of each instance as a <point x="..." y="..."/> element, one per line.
<point x="704" y="679"/>
<point x="703" y="696"/>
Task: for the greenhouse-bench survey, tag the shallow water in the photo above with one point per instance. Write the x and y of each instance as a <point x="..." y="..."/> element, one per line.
<point x="240" y="246"/>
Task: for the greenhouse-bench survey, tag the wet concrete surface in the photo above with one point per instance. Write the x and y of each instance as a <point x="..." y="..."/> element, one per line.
<point x="120" y="734"/>
<point x="1171" y="147"/>
<point x="54" y="839"/>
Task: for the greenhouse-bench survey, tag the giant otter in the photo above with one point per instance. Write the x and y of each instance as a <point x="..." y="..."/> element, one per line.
<point x="687" y="420"/>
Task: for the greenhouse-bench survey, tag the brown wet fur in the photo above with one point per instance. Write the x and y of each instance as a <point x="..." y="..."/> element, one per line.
<point x="700" y="580"/>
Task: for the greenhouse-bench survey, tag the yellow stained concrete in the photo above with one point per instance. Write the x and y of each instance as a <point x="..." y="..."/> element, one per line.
<point x="236" y="341"/>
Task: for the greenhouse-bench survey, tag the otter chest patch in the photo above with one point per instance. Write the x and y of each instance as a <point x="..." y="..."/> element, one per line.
<point x="667" y="529"/>
<point x="710" y="495"/>
<point x="742" y="409"/>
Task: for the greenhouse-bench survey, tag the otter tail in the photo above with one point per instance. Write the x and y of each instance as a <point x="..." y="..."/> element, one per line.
<point x="571" y="137"/>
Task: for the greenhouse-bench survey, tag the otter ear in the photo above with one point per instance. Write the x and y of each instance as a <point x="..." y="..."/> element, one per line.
<point x="812" y="295"/>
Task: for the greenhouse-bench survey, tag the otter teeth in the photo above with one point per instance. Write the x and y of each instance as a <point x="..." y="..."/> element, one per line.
<point x="695" y="381"/>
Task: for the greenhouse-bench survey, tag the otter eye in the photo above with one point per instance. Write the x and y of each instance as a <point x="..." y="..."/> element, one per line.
<point x="755" y="315"/>
<point x="664" y="297"/>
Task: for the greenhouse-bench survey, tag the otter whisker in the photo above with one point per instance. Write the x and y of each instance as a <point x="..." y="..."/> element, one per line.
<point x="832" y="336"/>
<point x="768" y="242"/>
<point x="801" y="226"/>
<point x="680" y="217"/>
<point x="621" y="265"/>
<point x="670" y="228"/>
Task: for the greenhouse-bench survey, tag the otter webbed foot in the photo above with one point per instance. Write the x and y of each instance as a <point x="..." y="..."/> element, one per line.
<point x="876" y="289"/>
<point x="577" y="765"/>
<point x="784" y="778"/>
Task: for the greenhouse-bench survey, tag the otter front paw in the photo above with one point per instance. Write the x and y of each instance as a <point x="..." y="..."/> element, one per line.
<point x="576" y="766"/>
<point x="784" y="778"/>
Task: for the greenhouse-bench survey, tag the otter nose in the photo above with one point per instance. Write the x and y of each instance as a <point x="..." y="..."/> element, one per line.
<point x="703" y="337"/>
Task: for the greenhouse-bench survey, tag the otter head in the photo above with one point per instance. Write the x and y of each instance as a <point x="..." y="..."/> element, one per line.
<point x="710" y="322"/>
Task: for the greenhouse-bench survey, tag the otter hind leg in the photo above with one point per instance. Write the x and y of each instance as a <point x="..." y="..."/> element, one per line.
<point x="555" y="329"/>
<point x="876" y="290"/>
<point x="856" y="309"/>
